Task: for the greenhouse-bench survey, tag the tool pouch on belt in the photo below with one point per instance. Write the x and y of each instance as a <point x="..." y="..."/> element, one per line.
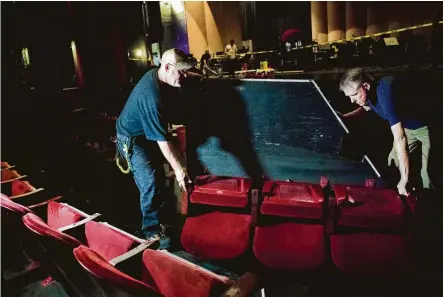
<point x="122" y="158"/>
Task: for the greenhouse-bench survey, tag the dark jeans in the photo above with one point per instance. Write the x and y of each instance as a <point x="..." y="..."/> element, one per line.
<point x="146" y="162"/>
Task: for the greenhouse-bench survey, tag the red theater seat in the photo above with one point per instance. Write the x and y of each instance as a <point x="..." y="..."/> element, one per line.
<point x="21" y="190"/>
<point x="165" y="274"/>
<point x="296" y="200"/>
<point x="60" y="215"/>
<point x="224" y="232"/>
<point x="38" y="226"/>
<point x="370" y="208"/>
<point x="109" y="241"/>
<point x="5" y="165"/>
<point x="174" y="276"/>
<point x="12" y="206"/>
<point x="23" y="193"/>
<point x="50" y="203"/>
<point x="221" y="191"/>
<point x="9" y="175"/>
<point x="216" y="235"/>
<point x="370" y="253"/>
<point x="296" y="238"/>
<point x="102" y="269"/>
<point x="372" y="230"/>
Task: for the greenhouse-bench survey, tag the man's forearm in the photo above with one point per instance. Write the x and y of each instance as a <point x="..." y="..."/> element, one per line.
<point x="354" y="113"/>
<point x="168" y="151"/>
<point x="403" y="158"/>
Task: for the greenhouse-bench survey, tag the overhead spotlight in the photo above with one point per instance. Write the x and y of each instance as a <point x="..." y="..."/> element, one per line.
<point x="138" y="53"/>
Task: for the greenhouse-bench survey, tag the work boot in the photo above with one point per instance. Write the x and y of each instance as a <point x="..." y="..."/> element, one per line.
<point x="163" y="239"/>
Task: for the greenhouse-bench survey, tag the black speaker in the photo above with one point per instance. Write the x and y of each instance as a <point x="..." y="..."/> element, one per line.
<point x="152" y="21"/>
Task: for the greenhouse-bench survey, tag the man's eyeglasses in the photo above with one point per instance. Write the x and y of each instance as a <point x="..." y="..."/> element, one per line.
<point x="182" y="72"/>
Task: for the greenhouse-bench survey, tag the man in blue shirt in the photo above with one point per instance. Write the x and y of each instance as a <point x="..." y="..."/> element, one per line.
<point x="387" y="98"/>
<point x="143" y="138"/>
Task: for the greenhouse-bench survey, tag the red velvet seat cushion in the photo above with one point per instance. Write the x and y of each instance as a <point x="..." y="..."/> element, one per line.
<point x="290" y="246"/>
<point x="8" y="174"/>
<point x="373" y="208"/>
<point x="61" y="215"/>
<point x="221" y="191"/>
<point x="290" y="199"/>
<point x="176" y="277"/>
<point x="369" y="253"/>
<point x="107" y="242"/>
<point x="216" y="235"/>
<point x="37" y="225"/>
<point x="12" y="206"/>
<point x="99" y="267"/>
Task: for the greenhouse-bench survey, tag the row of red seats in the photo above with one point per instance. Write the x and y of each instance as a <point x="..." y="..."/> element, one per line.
<point x="98" y="259"/>
<point x="299" y="226"/>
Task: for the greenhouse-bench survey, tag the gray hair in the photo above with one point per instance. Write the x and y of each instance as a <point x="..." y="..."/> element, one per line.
<point x="353" y="78"/>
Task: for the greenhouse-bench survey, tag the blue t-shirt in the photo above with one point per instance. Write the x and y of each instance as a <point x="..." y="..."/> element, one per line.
<point x="146" y="110"/>
<point x="393" y="103"/>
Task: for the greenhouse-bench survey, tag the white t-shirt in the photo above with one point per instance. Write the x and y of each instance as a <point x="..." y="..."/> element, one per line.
<point x="231" y="51"/>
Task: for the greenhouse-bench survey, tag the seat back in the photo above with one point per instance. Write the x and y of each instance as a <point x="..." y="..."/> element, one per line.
<point x="16" y="187"/>
<point x="61" y="215"/>
<point x="291" y="199"/>
<point x="20" y="187"/>
<point x="222" y="230"/>
<point x="9" y="174"/>
<point x="4" y="165"/>
<point x="23" y="192"/>
<point x="371" y="208"/>
<point x="174" y="276"/>
<point x="290" y="234"/>
<point x="109" y="241"/>
<point x="220" y="191"/>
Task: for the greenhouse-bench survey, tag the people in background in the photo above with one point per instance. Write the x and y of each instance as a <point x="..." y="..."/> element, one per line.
<point x="231" y="51"/>
<point x="387" y="97"/>
<point x="204" y="63"/>
<point x="143" y="138"/>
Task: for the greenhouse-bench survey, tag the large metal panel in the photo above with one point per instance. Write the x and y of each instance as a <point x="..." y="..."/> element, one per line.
<point x="284" y="129"/>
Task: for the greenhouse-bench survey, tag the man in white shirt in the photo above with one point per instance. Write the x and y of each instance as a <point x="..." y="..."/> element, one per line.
<point x="231" y="50"/>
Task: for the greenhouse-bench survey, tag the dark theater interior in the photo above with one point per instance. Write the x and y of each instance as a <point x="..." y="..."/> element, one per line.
<point x="221" y="148"/>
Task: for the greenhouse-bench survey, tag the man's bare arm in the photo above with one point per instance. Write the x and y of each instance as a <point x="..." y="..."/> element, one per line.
<point x="353" y="113"/>
<point x="168" y="151"/>
<point x="401" y="147"/>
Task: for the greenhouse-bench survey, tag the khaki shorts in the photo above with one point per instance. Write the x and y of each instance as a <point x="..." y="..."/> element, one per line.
<point x="415" y="138"/>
